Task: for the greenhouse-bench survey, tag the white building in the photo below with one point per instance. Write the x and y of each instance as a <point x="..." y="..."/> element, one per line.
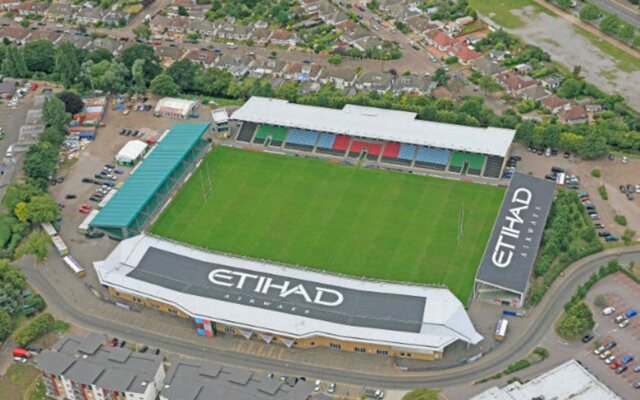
<point x="80" y="368"/>
<point x="131" y="152"/>
<point x="220" y="120"/>
<point x="569" y="381"/>
<point x="177" y="108"/>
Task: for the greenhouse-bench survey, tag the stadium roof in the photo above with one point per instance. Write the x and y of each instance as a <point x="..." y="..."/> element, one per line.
<point x="569" y="381"/>
<point x="513" y="246"/>
<point x="376" y="123"/>
<point x="150" y="175"/>
<point x="262" y="297"/>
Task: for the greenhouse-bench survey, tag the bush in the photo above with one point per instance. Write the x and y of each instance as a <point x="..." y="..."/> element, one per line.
<point x="6" y="325"/>
<point x="620" y="219"/>
<point x="517" y="366"/>
<point x="542" y="352"/>
<point x="595" y="173"/>
<point x="603" y="192"/>
<point x="628" y="235"/>
<point x="600" y="300"/>
<point x="39" y="326"/>
<point x="421" y="394"/>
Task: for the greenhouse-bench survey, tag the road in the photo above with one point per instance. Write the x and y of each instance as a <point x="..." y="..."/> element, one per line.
<point x="624" y="12"/>
<point x="540" y="321"/>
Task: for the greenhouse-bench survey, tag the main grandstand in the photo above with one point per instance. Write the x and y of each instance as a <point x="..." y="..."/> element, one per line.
<point x="373" y="134"/>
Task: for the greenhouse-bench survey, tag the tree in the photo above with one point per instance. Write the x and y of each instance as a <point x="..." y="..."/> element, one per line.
<point x="592" y="146"/>
<point x="42" y="209"/>
<point x="36" y="244"/>
<point x="53" y="136"/>
<point x="114" y="78"/>
<point x="141" y="52"/>
<point x="138" y="82"/>
<point x="600" y="300"/>
<point x="182" y="11"/>
<point x="39" y="55"/>
<point x="164" y="85"/>
<point x="142" y="31"/>
<point x="590" y="12"/>
<point x="39" y="162"/>
<point x="66" y="64"/>
<point x="21" y="212"/>
<point x="335" y="59"/>
<point x="576" y="321"/>
<point x="610" y="24"/>
<point x="183" y="73"/>
<point x="73" y="103"/>
<point x="570" y="88"/>
<point x="213" y="82"/>
<point x="441" y="77"/>
<point x="19" y="192"/>
<point x="55" y="114"/>
<point x="13" y="63"/>
<point x="40" y="325"/>
<point x="6" y="325"/>
<point x="100" y="54"/>
<point x="628" y="235"/>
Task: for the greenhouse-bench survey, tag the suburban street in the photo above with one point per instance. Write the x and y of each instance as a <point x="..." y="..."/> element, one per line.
<point x="70" y="299"/>
<point x="626" y="12"/>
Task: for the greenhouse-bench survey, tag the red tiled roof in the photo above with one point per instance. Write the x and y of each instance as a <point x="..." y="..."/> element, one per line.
<point x="465" y="54"/>
<point x="576" y="112"/>
<point x="553" y="102"/>
<point x="281" y="34"/>
<point x="442" y="39"/>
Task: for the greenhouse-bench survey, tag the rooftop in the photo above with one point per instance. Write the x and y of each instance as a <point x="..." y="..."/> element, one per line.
<point x="198" y="282"/>
<point x="89" y="361"/>
<point x="376" y="123"/>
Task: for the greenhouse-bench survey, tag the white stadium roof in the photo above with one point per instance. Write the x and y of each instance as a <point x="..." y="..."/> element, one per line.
<point x="376" y="123"/>
<point x="250" y="295"/>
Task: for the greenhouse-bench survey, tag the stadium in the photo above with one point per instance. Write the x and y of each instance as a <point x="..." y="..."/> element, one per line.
<point x="264" y="238"/>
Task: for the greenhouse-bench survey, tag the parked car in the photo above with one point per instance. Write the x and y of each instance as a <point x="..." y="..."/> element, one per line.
<point x="621" y="369"/>
<point x="623" y="189"/>
<point x="70" y="196"/>
<point x="598" y="226"/>
<point x="631" y="313"/>
<point x="599" y="350"/>
<point x="332" y="388"/>
<point x="619" y="319"/>
<point x="624" y="323"/>
<point x="627" y="359"/>
<point x="94" y="235"/>
<point x="604" y="234"/>
<point x="144" y="349"/>
<point x="610" y="345"/>
<point x="629" y="196"/>
<point x="609" y="359"/>
<point x="611" y="238"/>
<point x="615" y="364"/>
<point x="636" y="368"/>
<point x="20" y="360"/>
<point x="608" y="311"/>
<point x="587" y="338"/>
<point x="637" y="385"/>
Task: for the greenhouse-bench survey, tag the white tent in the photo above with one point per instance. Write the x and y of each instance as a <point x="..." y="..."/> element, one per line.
<point x="131" y="152"/>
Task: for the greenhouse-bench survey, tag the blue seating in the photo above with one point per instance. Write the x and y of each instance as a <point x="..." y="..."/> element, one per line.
<point x="432" y="155"/>
<point x="407" y="152"/>
<point x="326" y="140"/>
<point x="302" y="138"/>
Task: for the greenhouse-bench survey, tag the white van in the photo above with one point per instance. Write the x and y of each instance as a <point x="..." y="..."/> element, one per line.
<point x="231" y="45"/>
<point x="9" y="153"/>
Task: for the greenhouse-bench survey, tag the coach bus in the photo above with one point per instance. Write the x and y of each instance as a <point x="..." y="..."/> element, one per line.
<point x="501" y="329"/>
<point x="75" y="266"/>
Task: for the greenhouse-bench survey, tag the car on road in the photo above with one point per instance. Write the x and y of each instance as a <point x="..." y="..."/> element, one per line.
<point x="317" y="386"/>
<point x="608" y="311"/>
<point x="624" y="323"/>
<point x="332" y="388"/>
<point x="587" y="338"/>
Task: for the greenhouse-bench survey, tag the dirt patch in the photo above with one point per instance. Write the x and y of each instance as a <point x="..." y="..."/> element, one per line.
<point x="559" y="38"/>
<point x="17" y="381"/>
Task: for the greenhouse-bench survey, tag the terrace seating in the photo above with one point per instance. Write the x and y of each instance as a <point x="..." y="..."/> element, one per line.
<point x="301" y="140"/>
<point x="432" y="158"/>
<point x="474" y="163"/>
<point x="276" y="134"/>
<point x="373" y="149"/>
<point x="393" y="152"/>
<point x="326" y="143"/>
<point x="493" y="167"/>
<point x="247" y="131"/>
<point x="341" y="143"/>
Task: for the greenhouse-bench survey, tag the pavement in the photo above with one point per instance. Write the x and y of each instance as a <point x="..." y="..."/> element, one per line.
<point x="68" y="298"/>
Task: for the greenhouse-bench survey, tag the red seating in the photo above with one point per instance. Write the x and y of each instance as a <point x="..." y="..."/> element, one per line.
<point x="341" y="142"/>
<point x="373" y="149"/>
<point x="391" y="150"/>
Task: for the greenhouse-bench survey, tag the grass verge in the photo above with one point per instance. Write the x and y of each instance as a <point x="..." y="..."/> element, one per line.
<point x="625" y="61"/>
<point x="500" y="10"/>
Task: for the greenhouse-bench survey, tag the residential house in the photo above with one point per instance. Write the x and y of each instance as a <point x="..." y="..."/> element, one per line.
<point x="351" y="37"/>
<point x="310" y="5"/>
<point x="421" y="24"/>
<point x="368" y="43"/>
<point x="49" y="36"/>
<point x="401" y="11"/>
<point x="90" y="15"/>
<point x="324" y="10"/>
<point x="16" y="35"/>
<point x="114" y="17"/>
<point x="268" y="67"/>
<point x="303" y="72"/>
<point x="442" y="92"/>
<point x="412" y="84"/>
<point x="341" y="77"/>
<point x="7" y="89"/>
<point x="440" y="40"/>
<point x="204" y="28"/>
<point x="551" y="82"/>
<point x="487" y="67"/>
<point x="204" y="58"/>
<point x="261" y="35"/>
<point x="513" y="83"/>
<point x="61" y="11"/>
<point x="523" y="68"/>
<point x="335" y="18"/>
<point x="168" y="54"/>
<point x="464" y="53"/>
<point x="284" y="38"/>
<point x="261" y="24"/>
<point x="234" y="32"/>
<point x="575" y="114"/>
<point x="347" y="26"/>
<point x="177" y="25"/>
<point x="555" y="104"/>
<point x="159" y="24"/>
<point x="380" y="82"/>
<point x="457" y="25"/>
<point x="237" y="66"/>
<point x="472" y="40"/>
<point x="384" y="5"/>
<point x="499" y="55"/>
<point x="108" y="43"/>
<point x="309" y="87"/>
<point x="33" y="8"/>
<point x="536" y="92"/>
<point x="593" y="108"/>
<point x="79" y="42"/>
<point x="9" y="4"/>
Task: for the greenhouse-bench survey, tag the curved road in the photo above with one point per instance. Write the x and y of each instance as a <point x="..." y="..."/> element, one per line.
<point x="539" y="321"/>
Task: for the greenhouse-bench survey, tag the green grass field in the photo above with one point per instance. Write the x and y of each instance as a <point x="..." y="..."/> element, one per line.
<point x="500" y="10"/>
<point x="356" y="221"/>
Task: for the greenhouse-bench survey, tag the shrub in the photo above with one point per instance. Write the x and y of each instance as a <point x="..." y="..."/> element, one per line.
<point x="517" y="366"/>
<point x="620" y="219"/>
<point x="576" y="321"/>
<point x="600" y="300"/>
<point x="595" y="173"/>
<point x="603" y="192"/>
<point x="39" y="326"/>
<point x="628" y="235"/>
<point x="542" y="352"/>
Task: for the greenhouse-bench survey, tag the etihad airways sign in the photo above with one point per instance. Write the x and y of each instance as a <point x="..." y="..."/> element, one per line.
<point x="513" y="228"/>
<point x="283" y="288"/>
